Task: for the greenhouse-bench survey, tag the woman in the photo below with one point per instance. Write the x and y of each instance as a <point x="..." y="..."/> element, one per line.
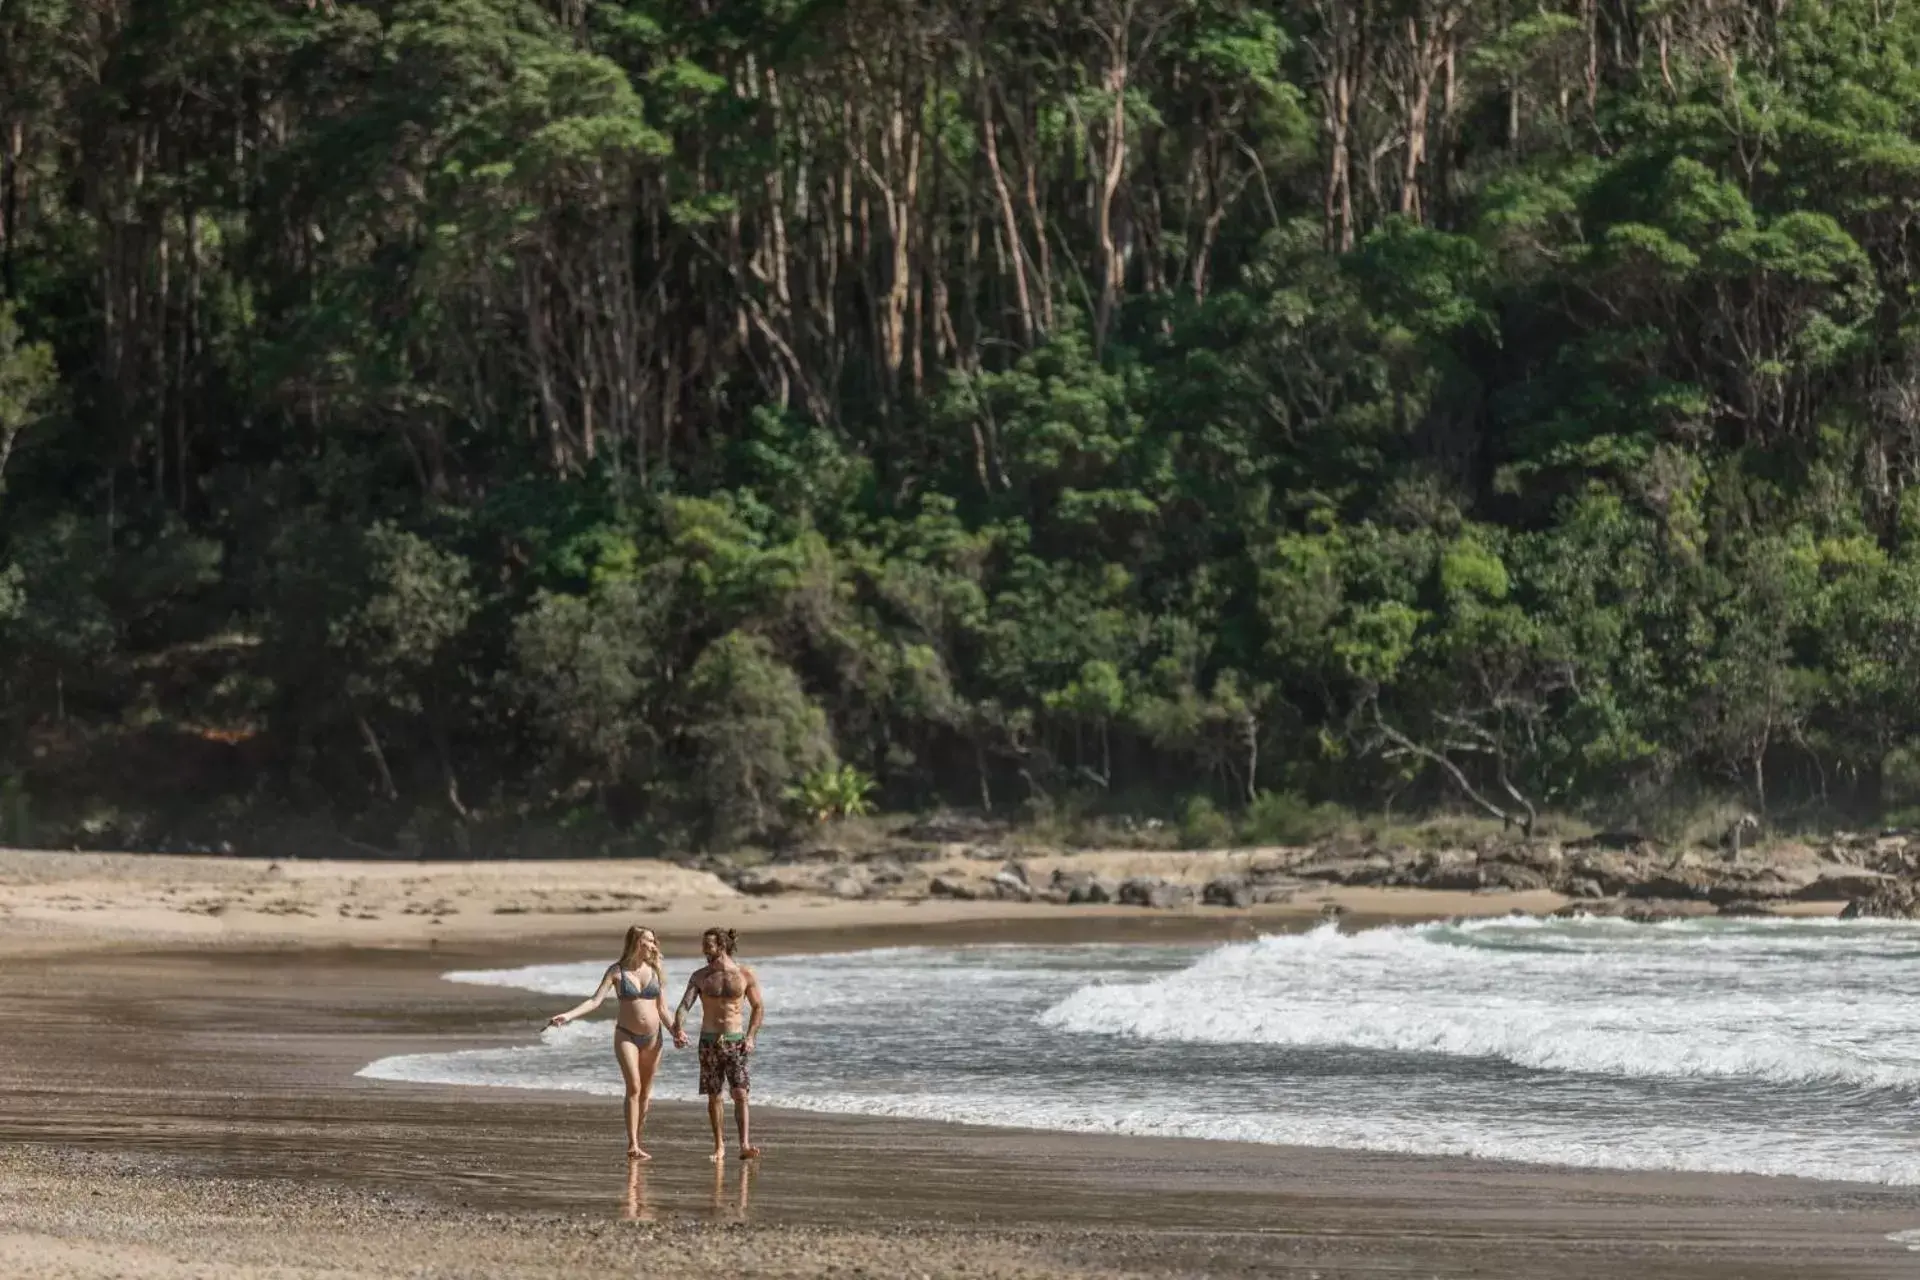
<point x="639" y="1029"/>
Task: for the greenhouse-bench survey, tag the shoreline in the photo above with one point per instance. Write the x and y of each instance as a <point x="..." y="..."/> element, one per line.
<point x="53" y="903"/>
<point x="237" y="1099"/>
<point x="209" y="1123"/>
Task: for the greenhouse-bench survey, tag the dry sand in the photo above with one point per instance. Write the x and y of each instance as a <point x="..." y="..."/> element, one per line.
<point x="51" y="902"/>
<point x="177" y="1099"/>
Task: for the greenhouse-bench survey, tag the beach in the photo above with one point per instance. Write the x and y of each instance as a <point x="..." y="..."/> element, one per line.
<point x="180" y="1098"/>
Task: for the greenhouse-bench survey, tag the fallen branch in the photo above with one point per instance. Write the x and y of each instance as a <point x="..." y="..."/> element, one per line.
<point x="1405" y="746"/>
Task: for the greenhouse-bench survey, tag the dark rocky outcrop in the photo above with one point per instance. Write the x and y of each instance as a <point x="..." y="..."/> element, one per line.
<point x="1161" y="894"/>
<point x="1891" y="901"/>
<point x="1228" y="891"/>
<point x="1640" y="910"/>
<point x="1615" y="874"/>
<point x="941" y="887"/>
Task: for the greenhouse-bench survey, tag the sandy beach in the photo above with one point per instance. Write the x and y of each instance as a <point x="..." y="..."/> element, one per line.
<point x="178" y="1098"/>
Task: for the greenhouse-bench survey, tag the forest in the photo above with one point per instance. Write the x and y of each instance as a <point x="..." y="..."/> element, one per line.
<point x="660" y="422"/>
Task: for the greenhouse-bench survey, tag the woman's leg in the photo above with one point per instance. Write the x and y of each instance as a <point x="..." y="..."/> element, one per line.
<point x="648" y="1064"/>
<point x="629" y="1055"/>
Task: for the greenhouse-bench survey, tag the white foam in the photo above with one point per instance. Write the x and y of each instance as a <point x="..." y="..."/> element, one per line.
<point x="1787" y="1048"/>
<point x="1596" y="1000"/>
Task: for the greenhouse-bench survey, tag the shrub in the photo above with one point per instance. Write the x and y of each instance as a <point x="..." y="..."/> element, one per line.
<point x="1203" y="826"/>
<point x="1284" y="817"/>
<point x="828" y="793"/>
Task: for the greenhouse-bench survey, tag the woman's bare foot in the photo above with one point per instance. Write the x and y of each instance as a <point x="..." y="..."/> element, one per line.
<point x="635" y="1153"/>
<point x="750" y="1153"/>
<point x="719" y="1153"/>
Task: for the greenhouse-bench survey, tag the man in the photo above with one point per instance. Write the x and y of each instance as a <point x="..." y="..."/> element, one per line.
<point x="724" y="1047"/>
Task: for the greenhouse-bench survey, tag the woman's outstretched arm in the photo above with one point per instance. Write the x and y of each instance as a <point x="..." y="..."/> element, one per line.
<point x="588" y="1005"/>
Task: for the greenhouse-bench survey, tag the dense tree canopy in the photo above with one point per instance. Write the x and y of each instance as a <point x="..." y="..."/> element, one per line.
<point x="621" y="411"/>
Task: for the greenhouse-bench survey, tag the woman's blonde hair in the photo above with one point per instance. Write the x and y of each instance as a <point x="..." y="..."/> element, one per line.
<point x="630" y="956"/>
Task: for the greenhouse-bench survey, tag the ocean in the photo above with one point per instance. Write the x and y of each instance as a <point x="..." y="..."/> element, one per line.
<point x="1756" y="1046"/>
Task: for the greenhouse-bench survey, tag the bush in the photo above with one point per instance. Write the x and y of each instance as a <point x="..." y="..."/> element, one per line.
<point x="829" y="793"/>
<point x="755" y="732"/>
<point x="1203" y="826"/>
<point x="1283" y="817"/>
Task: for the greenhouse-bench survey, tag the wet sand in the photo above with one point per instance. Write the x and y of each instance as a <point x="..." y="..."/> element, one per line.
<point x="196" y="1114"/>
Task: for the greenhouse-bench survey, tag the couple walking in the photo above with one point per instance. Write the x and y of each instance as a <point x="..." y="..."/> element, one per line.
<point x="641" y="1029"/>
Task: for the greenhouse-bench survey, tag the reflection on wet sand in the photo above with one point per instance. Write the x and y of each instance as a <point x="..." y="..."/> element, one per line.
<point x="738" y="1212"/>
<point x="635" y="1208"/>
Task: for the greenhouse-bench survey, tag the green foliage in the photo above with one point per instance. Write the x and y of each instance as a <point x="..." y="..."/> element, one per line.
<point x="1283" y="817"/>
<point x="826" y="794"/>
<point x="27" y="382"/>
<point x="1203" y="826"/>
<point x="754" y="732"/>
<point x="584" y="667"/>
<point x="613" y="414"/>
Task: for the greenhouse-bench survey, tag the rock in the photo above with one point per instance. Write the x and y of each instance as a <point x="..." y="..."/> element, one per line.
<point x="1581" y="887"/>
<point x="1845" y="885"/>
<point x="1277" y="893"/>
<point x="941" y="887"/>
<point x="1887" y="902"/>
<point x="1639" y="910"/>
<point x="1017" y="870"/>
<point x="1095" y="891"/>
<point x="813" y="853"/>
<point x="1612" y="872"/>
<point x="760" y="883"/>
<point x="885" y="871"/>
<point x="907" y="854"/>
<point x="1078" y="887"/>
<point x="1543" y="856"/>
<point x="984" y="852"/>
<point x="1272" y="866"/>
<point x="1613" y="841"/>
<point x="1513" y="877"/>
<point x="1155" y="893"/>
<point x="845" y="884"/>
<point x="1678" y="883"/>
<point x="1228" y="891"/>
<point x="1441" y="869"/>
<point x="1008" y="885"/>
<point x="1375" y="868"/>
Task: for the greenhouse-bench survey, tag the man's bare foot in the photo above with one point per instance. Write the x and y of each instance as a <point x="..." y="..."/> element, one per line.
<point x="750" y="1153"/>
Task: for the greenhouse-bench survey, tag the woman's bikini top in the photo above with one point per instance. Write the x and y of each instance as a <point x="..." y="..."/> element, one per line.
<point x="630" y="991"/>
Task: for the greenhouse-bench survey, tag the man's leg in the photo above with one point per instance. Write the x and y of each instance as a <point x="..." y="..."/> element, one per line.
<point x="716" y="1104"/>
<point x="712" y="1084"/>
<point x="743" y="1124"/>
<point x="742" y="1083"/>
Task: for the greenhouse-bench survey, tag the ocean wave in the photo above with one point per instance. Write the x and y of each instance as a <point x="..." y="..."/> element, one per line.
<point x="1614" y="1009"/>
<point x="1667" y="1149"/>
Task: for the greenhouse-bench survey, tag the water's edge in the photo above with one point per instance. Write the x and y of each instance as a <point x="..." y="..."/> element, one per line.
<point x="1788" y="1048"/>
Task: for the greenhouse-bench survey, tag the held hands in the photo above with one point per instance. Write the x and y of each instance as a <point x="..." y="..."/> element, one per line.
<point x="679" y="1038"/>
<point x="747" y="1044"/>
